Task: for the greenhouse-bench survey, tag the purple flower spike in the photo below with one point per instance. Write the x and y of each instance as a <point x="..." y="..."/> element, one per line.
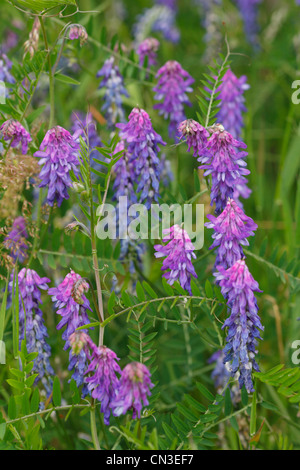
<point x="104" y="383"/>
<point x="13" y="131"/>
<point x="148" y="48"/>
<point x="113" y="83"/>
<point x="172" y="4"/>
<point x="238" y="287"/>
<point x="160" y="19"/>
<point x="232" y="105"/>
<point x="195" y="135"/>
<point x="179" y="253"/>
<point x="134" y="387"/>
<point x="30" y="286"/>
<point x="249" y="11"/>
<point x="226" y="165"/>
<point x="5" y="66"/>
<point x="143" y="141"/>
<point x="172" y="88"/>
<point x="58" y="154"/>
<point x="15" y="240"/>
<point x="72" y="304"/>
<point x="231" y="230"/>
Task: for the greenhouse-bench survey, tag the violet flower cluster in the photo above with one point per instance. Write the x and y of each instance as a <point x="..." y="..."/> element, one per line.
<point x="5" y="69"/>
<point x="195" y="135"/>
<point x="130" y="175"/>
<point x="172" y="4"/>
<point x="165" y="24"/>
<point x="173" y="85"/>
<point x="15" y="240"/>
<point x="77" y="31"/>
<point x="159" y="19"/>
<point x="125" y="176"/>
<point x="13" y="132"/>
<point x="59" y="155"/>
<point x="133" y="391"/>
<point x="143" y="147"/>
<point x="104" y="383"/>
<point x="231" y="230"/>
<point x="113" y="83"/>
<point x="31" y="319"/>
<point x="249" y="12"/>
<point x="178" y="254"/>
<point x="72" y="305"/>
<point x="238" y="287"/>
<point x="223" y="160"/>
<point x="117" y="395"/>
<point x="148" y="48"/>
<point x="232" y="105"/>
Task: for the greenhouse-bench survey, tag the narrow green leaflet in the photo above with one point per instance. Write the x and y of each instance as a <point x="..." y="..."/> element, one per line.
<point x="41" y="5"/>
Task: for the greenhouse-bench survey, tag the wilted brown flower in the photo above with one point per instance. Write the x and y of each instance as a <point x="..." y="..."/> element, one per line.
<point x="15" y="172"/>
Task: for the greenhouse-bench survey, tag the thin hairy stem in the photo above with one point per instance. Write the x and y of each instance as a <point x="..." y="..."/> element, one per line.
<point x="51" y="78"/>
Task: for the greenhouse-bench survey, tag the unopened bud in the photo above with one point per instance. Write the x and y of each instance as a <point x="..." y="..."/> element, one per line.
<point x="79" y="288"/>
<point x="72" y="227"/>
<point x="76" y="31"/>
<point x="78" y="341"/>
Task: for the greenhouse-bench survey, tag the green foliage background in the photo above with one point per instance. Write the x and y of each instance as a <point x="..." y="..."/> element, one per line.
<point x="174" y="338"/>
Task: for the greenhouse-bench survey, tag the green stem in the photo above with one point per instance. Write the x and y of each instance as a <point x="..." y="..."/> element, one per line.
<point x="51" y="78"/>
<point x="150" y="301"/>
<point x="50" y="410"/>
<point x="216" y="84"/>
<point x="95" y="260"/>
<point x="94" y="428"/>
<point x="38" y="225"/>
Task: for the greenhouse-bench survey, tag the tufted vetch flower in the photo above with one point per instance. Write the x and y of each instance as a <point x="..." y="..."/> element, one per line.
<point x="113" y="84"/>
<point x="243" y="325"/>
<point x="225" y="162"/>
<point x="103" y="382"/>
<point x="148" y="48"/>
<point x="59" y="155"/>
<point x="133" y="390"/>
<point x="231" y="230"/>
<point x="196" y="136"/>
<point x="16" y="134"/>
<point x="72" y="305"/>
<point x="31" y="323"/>
<point x="143" y="148"/>
<point x="171" y="90"/>
<point x="178" y="253"/>
<point x="232" y="104"/>
<point x="15" y="240"/>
